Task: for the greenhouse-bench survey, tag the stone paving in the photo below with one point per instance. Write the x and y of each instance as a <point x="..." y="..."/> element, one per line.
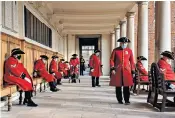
<point x="80" y="100"/>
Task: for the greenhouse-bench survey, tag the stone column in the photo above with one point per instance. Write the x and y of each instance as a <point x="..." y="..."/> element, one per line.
<point x="122" y="28"/>
<point x="130" y="30"/>
<point x="113" y="43"/>
<point x="20" y="20"/>
<point x="143" y="31"/>
<point x="117" y="36"/>
<point x="164" y="29"/>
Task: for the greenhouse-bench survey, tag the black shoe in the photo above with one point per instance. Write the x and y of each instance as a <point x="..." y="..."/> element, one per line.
<point x="120" y="102"/>
<point x="127" y="103"/>
<point x="98" y="85"/>
<point x="59" y="84"/>
<point x="53" y="89"/>
<point x="25" y="101"/>
<point x="31" y="104"/>
<point x="93" y="86"/>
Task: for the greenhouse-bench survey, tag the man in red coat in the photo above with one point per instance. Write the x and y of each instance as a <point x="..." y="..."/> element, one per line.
<point x="15" y="73"/>
<point x="122" y="67"/>
<point x="74" y="67"/>
<point x="61" y="69"/>
<point x="141" y="69"/>
<point x="165" y="67"/>
<point x="53" y="68"/>
<point x="67" y="69"/>
<point x="41" y="71"/>
<point x="95" y="68"/>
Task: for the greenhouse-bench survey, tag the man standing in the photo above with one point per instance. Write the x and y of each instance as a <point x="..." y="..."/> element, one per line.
<point x="74" y="67"/>
<point x="122" y="67"/>
<point x="41" y="71"/>
<point x="15" y="73"/>
<point x="53" y="68"/>
<point x="95" y="68"/>
<point x="82" y="67"/>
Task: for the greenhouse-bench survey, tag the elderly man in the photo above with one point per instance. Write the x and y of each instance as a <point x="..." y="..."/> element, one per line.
<point x="15" y="73"/>
<point x="165" y="67"/>
<point x="95" y="68"/>
<point x="141" y="68"/>
<point x="41" y="71"/>
<point x="122" y="67"/>
<point x="53" y="68"/>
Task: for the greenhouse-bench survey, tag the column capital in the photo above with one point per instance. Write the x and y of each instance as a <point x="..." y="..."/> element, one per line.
<point x="130" y="14"/>
<point x="142" y="2"/>
<point x="122" y="22"/>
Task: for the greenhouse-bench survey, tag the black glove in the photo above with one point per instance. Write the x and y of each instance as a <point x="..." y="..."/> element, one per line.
<point x="23" y="75"/>
<point x="91" y="68"/>
<point x="101" y="66"/>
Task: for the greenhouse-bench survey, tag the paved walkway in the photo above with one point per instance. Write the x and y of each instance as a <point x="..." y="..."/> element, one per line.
<point x="83" y="101"/>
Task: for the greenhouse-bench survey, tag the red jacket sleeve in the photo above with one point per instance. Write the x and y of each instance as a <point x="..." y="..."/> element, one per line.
<point x="112" y="58"/>
<point x="13" y="67"/>
<point x="131" y="59"/>
<point x="53" y="66"/>
<point x="91" y="61"/>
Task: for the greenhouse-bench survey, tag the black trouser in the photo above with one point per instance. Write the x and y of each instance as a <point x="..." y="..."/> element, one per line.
<point x="126" y="93"/>
<point x="81" y="69"/>
<point x="95" y="81"/>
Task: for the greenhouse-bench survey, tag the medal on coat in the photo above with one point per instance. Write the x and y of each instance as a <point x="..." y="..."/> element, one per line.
<point x="126" y="52"/>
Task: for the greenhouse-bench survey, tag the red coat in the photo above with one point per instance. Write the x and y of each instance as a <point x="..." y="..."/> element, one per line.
<point x="61" y="66"/>
<point x="74" y="62"/>
<point x="66" y="68"/>
<point x="123" y="61"/>
<point x="41" y="69"/>
<point x="142" y="71"/>
<point x="95" y="63"/>
<point x="53" y="68"/>
<point x="13" y="71"/>
<point x="166" y="69"/>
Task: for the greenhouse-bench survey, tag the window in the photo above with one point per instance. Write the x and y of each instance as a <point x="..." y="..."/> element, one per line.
<point x="36" y="30"/>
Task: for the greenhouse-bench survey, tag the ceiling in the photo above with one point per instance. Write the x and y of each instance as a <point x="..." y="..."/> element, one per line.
<point x="85" y="17"/>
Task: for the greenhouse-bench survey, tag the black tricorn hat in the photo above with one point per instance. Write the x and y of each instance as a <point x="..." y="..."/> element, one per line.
<point x="168" y="54"/>
<point x="61" y="59"/>
<point x="74" y="55"/>
<point x="141" y="58"/>
<point x="124" y="40"/>
<point x="44" y="57"/>
<point x="97" y="51"/>
<point x="17" y="51"/>
<point x="54" y="56"/>
<point x="66" y="62"/>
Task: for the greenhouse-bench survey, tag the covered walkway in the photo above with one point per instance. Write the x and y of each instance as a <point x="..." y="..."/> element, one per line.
<point x="83" y="101"/>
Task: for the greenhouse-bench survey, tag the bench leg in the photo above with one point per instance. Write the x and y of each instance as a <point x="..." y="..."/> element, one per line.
<point x="20" y="97"/>
<point x="9" y="102"/>
<point x="162" y="109"/>
<point x="138" y="89"/>
<point x="40" y="87"/>
<point x="35" y="89"/>
<point x="44" y="86"/>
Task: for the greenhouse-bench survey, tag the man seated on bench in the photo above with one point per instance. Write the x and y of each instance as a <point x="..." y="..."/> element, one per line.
<point x="141" y="69"/>
<point x="67" y="69"/>
<point x="15" y="73"/>
<point x="60" y="69"/>
<point x="165" y="67"/>
<point x="41" y="71"/>
<point x="53" y="68"/>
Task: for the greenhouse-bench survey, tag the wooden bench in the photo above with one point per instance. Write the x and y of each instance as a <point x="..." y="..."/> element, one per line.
<point x="161" y="89"/>
<point x="8" y="90"/>
<point x="138" y="82"/>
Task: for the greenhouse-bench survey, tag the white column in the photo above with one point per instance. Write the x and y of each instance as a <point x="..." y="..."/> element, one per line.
<point x="130" y="30"/>
<point x="122" y="28"/>
<point x="112" y="41"/>
<point x="164" y="34"/>
<point x="117" y="36"/>
<point x="21" y="19"/>
<point x="143" y="31"/>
